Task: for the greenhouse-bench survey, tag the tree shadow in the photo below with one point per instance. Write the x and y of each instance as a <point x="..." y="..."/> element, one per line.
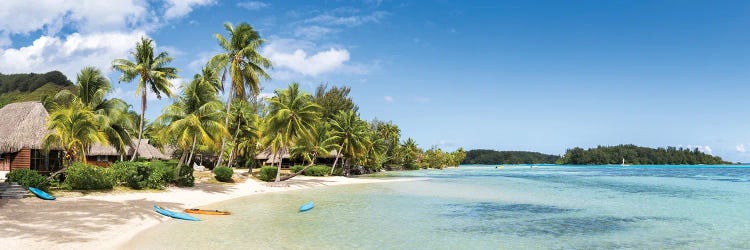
<point x="212" y="188"/>
<point x="65" y="221"/>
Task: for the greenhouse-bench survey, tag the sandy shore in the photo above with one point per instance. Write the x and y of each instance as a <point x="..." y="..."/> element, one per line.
<point x="105" y="221"/>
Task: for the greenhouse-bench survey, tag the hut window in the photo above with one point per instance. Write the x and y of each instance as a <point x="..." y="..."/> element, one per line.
<point x="101" y="158"/>
<point x="39" y="160"/>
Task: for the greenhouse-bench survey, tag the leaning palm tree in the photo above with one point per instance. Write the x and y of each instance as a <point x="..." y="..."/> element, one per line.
<point x="110" y="114"/>
<point x="246" y="67"/>
<point x="153" y="72"/>
<point x="292" y="116"/>
<point x="323" y="142"/>
<point x="353" y="135"/>
<point x="74" y="130"/>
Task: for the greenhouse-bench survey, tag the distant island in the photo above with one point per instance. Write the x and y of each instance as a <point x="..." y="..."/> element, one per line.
<point x="636" y="155"/>
<point x="487" y="156"/>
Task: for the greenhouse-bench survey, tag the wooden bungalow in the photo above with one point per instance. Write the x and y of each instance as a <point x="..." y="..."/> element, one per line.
<point x="23" y="127"/>
<point x="104" y="155"/>
<point x="266" y="157"/>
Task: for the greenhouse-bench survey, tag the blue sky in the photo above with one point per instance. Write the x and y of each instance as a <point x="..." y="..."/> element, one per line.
<point x="508" y="75"/>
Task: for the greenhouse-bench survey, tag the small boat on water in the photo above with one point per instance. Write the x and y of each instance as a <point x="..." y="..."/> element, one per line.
<point x="307" y="206"/>
<point x="208" y="212"/>
<point x="41" y="194"/>
<point x="175" y="215"/>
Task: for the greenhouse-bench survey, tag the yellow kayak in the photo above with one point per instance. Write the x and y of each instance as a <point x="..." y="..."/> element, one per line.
<point x="209" y="212"/>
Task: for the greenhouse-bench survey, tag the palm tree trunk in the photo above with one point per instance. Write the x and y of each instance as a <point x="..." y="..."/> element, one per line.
<point x="312" y="162"/>
<point x="234" y="146"/>
<point x="140" y="127"/>
<point x="280" y="155"/>
<point x="179" y="164"/>
<point x="192" y="151"/>
<point x="226" y="124"/>
<point x="335" y="161"/>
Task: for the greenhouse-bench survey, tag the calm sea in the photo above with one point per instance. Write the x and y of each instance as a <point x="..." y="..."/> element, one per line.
<point x="483" y="207"/>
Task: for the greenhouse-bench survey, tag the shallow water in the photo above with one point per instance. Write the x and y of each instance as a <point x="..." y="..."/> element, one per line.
<point x="483" y="207"/>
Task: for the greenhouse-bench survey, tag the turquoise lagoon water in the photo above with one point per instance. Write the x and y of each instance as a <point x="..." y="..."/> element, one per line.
<point x="483" y="207"/>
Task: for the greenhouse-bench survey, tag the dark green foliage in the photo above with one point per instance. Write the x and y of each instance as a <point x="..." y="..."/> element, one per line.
<point x="636" y="155"/>
<point x="223" y="174"/>
<point x="333" y="100"/>
<point x="185" y="177"/>
<point x="140" y="178"/>
<point x="296" y="168"/>
<point x="317" y="170"/>
<point x="32" y="81"/>
<point x="28" y="178"/>
<point x="86" y="177"/>
<point x="484" y="156"/>
<point x="162" y="173"/>
<point x="267" y="173"/>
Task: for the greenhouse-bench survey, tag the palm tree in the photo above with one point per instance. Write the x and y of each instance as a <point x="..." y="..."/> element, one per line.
<point x="110" y="114"/>
<point x="353" y="134"/>
<point x="245" y="65"/>
<point x="153" y="72"/>
<point x="194" y="117"/>
<point x="245" y="122"/>
<point x="322" y="143"/>
<point x="292" y="116"/>
<point x="410" y="153"/>
<point x="74" y="130"/>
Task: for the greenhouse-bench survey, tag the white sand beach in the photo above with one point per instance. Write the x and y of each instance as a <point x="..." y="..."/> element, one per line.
<point x="106" y="221"/>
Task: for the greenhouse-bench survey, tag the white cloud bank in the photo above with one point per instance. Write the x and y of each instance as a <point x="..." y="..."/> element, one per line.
<point x="285" y="53"/>
<point x="253" y="5"/>
<point x="102" y="31"/>
<point x="741" y="148"/>
<point x="68" y="54"/>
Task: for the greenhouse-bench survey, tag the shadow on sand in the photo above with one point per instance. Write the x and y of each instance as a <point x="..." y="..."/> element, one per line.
<point x="64" y="221"/>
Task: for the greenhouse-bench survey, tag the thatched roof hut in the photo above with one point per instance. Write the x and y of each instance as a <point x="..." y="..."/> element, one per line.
<point x="23" y="124"/>
<point x="145" y="150"/>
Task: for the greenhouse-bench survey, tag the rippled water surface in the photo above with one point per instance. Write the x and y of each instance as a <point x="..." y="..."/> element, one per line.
<point x="483" y="207"/>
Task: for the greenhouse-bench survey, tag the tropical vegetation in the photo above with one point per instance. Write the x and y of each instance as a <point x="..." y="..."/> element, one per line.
<point x="632" y="154"/>
<point x="487" y="156"/>
<point x="294" y="126"/>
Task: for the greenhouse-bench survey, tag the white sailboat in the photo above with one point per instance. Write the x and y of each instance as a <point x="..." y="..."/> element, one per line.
<point x="623" y="163"/>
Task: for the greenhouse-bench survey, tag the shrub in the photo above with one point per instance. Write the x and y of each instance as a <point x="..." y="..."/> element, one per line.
<point x="122" y="170"/>
<point x="28" y="178"/>
<point x="223" y="174"/>
<point x="297" y="168"/>
<point x="85" y="177"/>
<point x="162" y="173"/>
<point x="267" y="173"/>
<point x="185" y="177"/>
<point x="318" y="170"/>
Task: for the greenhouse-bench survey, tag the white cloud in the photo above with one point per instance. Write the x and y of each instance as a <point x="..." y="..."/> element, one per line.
<point x="253" y="5"/>
<point x="740" y="148"/>
<point x="68" y="54"/>
<point x="290" y="54"/>
<point x="22" y="17"/>
<point x="349" y="21"/>
<point x="388" y="99"/>
<point x="180" y="8"/>
<point x="313" y="32"/>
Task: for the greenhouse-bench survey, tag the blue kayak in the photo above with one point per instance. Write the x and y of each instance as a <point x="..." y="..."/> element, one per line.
<point x="307" y="206"/>
<point x="175" y="215"/>
<point x="41" y="194"/>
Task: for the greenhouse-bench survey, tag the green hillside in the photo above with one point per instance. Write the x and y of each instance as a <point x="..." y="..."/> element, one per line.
<point x="31" y="87"/>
